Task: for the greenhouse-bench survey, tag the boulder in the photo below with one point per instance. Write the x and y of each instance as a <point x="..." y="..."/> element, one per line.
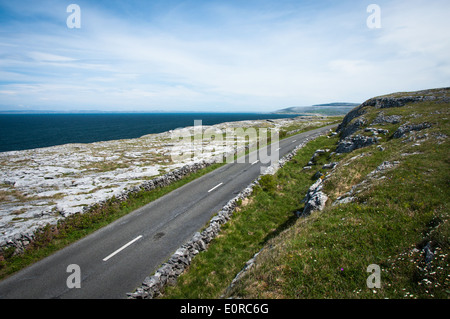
<point x="315" y="199"/>
<point x="316" y="202"/>
<point x="330" y="165"/>
<point x="406" y="128"/>
<point x="354" y="142"/>
<point x="352" y="127"/>
<point x="376" y="131"/>
<point x="382" y="119"/>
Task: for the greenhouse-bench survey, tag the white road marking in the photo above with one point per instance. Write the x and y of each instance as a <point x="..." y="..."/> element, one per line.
<point x="294" y="141"/>
<point x="122" y="248"/>
<point x="214" y="187"/>
<point x="255" y="162"/>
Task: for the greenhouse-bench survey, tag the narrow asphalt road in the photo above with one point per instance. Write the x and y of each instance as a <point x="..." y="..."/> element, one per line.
<point x="115" y="259"/>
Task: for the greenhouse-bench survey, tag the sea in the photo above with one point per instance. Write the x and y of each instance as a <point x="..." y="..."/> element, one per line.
<point x="30" y="131"/>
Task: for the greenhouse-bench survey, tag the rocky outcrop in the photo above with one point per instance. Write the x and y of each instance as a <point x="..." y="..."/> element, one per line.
<point x="353" y="127"/>
<point x="354" y="142"/>
<point x="406" y="128"/>
<point x="388" y="102"/>
<point x="356" y="112"/>
<point x="376" y="131"/>
<point x="382" y="119"/>
<point x="330" y="165"/>
<point x="354" y="121"/>
<point x="315" y="199"/>
<point x="384" y="102"/>
<point x="313" y="159"/>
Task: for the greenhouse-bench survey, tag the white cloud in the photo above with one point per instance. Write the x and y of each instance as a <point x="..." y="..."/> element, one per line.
<point x="47" y="57"/>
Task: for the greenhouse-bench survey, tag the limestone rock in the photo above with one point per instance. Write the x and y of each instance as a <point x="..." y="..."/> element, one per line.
<point x="355" y="142"/>
<point x="315" y="199"/>
<point x="353" y="127"/>
<point x="330" y="165"/>
<point x="382" y="119"/>
<point x="406" y="128"/>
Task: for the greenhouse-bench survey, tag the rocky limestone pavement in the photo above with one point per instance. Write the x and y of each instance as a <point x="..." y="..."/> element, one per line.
<point x="20" y="240"/>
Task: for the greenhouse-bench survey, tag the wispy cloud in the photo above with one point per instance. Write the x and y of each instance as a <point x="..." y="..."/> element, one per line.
<point x="217" y="55"/>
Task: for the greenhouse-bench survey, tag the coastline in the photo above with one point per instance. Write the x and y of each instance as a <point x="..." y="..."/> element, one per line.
<point x="39" y="130"/>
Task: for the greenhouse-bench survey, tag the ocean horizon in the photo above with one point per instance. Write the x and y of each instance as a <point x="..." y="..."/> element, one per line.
<point x="23" y="131"/>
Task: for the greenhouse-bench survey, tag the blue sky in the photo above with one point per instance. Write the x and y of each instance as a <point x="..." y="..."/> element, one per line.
<point x="217" y="55"/>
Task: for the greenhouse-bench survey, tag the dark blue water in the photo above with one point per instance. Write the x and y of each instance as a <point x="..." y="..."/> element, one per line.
<point x="28" y="131"/>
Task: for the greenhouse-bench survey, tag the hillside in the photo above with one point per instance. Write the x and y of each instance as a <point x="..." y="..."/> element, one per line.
<point x="375" y="192"/>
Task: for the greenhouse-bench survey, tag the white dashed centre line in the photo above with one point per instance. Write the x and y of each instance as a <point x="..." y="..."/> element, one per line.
<point x="214" y="188"/>
<point x="122" y="248"/>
